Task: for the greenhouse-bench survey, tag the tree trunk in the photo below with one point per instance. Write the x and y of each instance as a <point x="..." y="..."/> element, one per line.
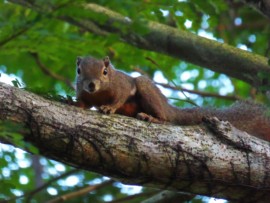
<point x="229" y="164"/>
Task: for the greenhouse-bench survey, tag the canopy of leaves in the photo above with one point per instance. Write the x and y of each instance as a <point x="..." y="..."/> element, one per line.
<point x="41" y="49"/>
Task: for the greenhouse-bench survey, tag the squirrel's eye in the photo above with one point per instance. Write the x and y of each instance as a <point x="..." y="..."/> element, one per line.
<point x="78" y="71"/>
<point x="105" y="71"/>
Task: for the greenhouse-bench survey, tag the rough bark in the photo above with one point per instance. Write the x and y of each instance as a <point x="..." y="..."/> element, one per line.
<point x="161" y="38"/>
<point x="227" y="164"/>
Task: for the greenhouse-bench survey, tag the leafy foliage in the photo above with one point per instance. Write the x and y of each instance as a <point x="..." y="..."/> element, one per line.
<point x="25" y="32"/>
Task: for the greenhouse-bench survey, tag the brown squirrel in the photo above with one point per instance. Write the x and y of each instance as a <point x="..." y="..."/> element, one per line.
<point x="100" y="85"/>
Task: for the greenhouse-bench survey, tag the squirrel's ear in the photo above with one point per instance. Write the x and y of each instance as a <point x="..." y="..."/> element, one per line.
<point x="106" y="61"/>
<point x="78" y="61"/>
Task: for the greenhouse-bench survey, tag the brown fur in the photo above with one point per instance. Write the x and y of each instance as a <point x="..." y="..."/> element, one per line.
<point x="116" y="92"/>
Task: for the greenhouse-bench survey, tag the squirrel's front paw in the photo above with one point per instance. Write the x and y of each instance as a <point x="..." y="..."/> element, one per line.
<point x="107" y="109"/>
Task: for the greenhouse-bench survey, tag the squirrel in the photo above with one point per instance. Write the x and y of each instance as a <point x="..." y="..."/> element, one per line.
<point x="100" y="85"/>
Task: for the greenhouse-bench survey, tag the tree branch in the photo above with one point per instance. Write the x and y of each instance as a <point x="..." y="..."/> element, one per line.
<point x="45" y="185"/>
<point x="181" y="89"/>
<point x="223" y="163"/>
<point x="14" y="35"/>
<point x="48" y="72"/>
<point x="30" y="194"/>
<point x="200" y="93"/>
<point x="80" y="192"/>
<point x="171" y="41"/>
<point x="263" y="6"/>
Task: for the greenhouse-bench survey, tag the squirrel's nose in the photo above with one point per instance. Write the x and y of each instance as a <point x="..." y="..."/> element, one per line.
<point x="91" y="87"/>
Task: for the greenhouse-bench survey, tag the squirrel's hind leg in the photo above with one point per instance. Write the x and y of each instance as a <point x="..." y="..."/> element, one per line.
<point x="152" y="101"/>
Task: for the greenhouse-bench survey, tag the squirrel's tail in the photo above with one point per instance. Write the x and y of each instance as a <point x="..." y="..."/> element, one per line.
<point x="245" y="115"/>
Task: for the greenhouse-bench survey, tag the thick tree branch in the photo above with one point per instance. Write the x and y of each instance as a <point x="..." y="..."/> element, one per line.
<point x="168" y="40"/>
<point x="226" y="164"/>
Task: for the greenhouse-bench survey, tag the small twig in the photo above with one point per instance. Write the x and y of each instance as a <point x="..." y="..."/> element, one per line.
<point x="80" y="192"/>
<point x="48" y="72"/>
<point x="30" y="194"/>
<point x="187" y="98"/>
<point x="131" y="197"/>
<point x="139" y="70"/>
<point x="202" y="94"/>
<point x="13" y="36"/>
<point x="23" y="28"/>
<point x="152" y="61"/>
<point x="177" y="88"/>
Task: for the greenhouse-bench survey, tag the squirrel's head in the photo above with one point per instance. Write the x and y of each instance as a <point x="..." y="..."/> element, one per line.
<point x="93" y="75"/>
